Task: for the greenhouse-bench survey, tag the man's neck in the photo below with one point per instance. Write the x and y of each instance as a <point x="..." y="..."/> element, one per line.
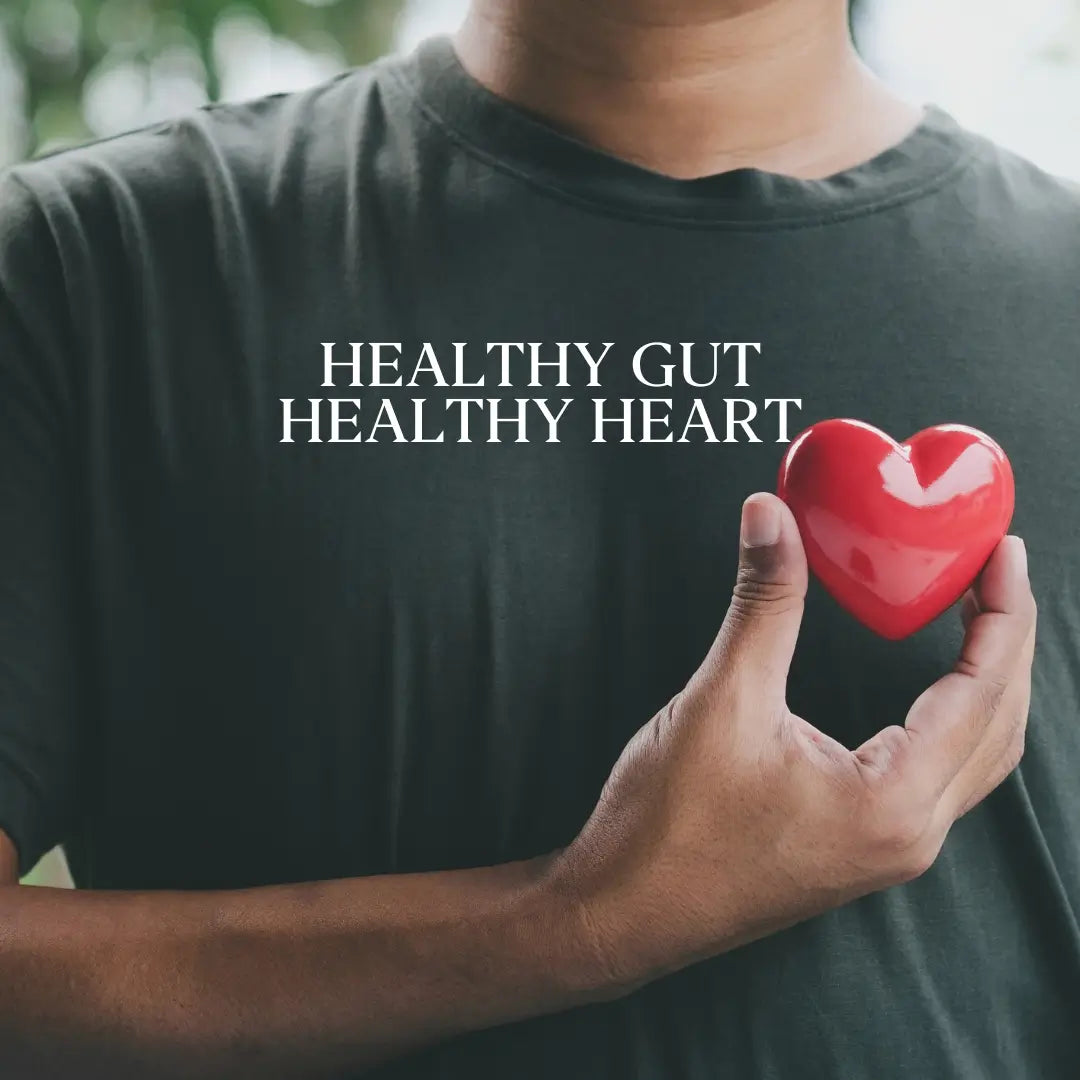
<point x="690" y="88"/>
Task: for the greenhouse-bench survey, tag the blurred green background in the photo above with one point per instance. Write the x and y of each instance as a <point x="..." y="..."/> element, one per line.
<point x="74" y="70"/>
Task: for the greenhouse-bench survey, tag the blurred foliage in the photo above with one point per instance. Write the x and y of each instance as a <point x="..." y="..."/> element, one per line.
<point x="52" y="50"/>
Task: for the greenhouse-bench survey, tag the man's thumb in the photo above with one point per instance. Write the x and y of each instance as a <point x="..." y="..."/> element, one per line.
<point x="762" y="622"/>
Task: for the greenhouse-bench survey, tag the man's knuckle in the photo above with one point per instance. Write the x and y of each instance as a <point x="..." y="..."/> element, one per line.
<point x="879" y="762"/>
<point x="918" y="861"/>
<point x="899" y="839"/>
<point x="753" y="595"/>
<point x="897" y="834"/>
<point x="991" y="688"/>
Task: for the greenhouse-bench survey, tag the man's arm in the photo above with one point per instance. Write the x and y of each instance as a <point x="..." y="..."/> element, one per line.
<point x="280" y="981"/>
<point x="726" y="819"/>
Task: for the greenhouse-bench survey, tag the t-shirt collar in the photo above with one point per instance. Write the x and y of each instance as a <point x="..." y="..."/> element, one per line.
<point x="521" y="142"/>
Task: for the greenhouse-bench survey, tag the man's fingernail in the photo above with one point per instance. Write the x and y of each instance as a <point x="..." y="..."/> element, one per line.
<point x="760" y="521"/>
<point x="1021" y="552"/>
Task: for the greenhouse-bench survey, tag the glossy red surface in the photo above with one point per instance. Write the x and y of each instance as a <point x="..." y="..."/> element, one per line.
<point x="896" y="532"/>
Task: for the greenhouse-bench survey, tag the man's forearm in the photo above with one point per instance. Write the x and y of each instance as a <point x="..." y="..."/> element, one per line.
<point x="282" y="981"/>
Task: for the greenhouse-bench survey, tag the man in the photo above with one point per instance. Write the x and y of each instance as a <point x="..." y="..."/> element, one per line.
<point x="362" y="629"/>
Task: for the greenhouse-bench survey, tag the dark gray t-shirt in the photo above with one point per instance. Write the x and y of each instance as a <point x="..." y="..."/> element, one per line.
<point x="421" y="641"/>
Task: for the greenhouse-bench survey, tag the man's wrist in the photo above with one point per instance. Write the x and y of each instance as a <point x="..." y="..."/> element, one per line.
<point x="592" y="961"/>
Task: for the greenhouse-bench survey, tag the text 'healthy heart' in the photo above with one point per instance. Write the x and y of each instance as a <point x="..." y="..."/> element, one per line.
<point x="896" y="532"/>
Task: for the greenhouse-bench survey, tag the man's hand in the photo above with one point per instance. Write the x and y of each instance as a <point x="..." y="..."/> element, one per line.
<point x="728" y="817"/>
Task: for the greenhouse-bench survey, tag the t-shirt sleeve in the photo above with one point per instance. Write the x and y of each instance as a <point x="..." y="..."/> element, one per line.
<point x="42" y="691"/>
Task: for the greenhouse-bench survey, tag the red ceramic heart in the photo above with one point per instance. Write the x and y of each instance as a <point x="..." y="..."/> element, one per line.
<point x="896" y="532"/>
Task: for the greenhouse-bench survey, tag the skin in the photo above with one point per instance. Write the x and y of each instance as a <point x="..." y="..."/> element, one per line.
<point x="726" y="814"/>
<point x="691" y="87"/>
